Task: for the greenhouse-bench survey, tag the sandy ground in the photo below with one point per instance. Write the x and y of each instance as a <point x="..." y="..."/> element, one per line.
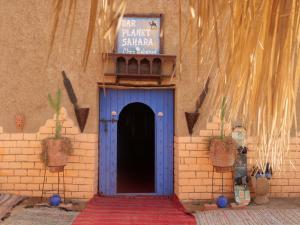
<point x="35" y="212"/>
<point x="275" y="203"/>
<point x="30" y="212"/>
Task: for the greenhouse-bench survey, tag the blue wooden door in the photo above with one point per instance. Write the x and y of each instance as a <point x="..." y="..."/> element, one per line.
<point x="112" y="101"/>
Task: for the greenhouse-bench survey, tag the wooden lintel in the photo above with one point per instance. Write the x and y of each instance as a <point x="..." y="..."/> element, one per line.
<point x="135" y="86"/>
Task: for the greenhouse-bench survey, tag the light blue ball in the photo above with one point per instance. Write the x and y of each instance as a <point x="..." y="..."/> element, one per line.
<point x="222" y="201"/>
<point x="55" y="200"/>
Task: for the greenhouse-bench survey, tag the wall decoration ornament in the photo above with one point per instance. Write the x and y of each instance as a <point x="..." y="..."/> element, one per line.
<point x="192" y="117"/>
<point x="20" y="122"/>
<point x="81" y="113"/>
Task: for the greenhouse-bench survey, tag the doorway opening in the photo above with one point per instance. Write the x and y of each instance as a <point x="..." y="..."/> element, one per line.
<point x="136" y="149"/>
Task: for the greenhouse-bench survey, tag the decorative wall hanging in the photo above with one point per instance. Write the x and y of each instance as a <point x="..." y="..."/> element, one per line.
<point x="192" y="117"/>
<point x="81" y="113"/>
<point x="20" y="122"/>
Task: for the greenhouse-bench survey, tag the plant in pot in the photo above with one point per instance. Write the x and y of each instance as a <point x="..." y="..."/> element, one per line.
<point x="192" y="117"/>
<point x="222" y="149"/>
<point x="55" y="150"/>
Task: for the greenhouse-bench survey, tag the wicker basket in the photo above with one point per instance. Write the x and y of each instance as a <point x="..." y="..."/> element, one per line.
<point x="261" y="186"/>
<point x="222" y="152"/>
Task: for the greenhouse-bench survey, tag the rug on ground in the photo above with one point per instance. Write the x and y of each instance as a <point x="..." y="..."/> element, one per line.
<point x="7" y="202"/>
<point x="249" y="217"/>
<point x="141" y="210"/>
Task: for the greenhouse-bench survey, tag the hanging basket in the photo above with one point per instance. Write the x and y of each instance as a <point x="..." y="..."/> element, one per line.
<point x="222" y="152"/>
<point x="191" y="119"/>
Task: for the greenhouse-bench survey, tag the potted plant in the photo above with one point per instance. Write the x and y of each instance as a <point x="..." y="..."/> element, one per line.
<point x="55" y="150"/>
<point x="222" y="149"/>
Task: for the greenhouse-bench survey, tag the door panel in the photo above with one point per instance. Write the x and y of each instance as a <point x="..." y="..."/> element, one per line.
<point x="162" y="104"/>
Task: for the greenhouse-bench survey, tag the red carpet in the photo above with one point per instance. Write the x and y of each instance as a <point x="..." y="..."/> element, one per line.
<point x="144" y="210"/>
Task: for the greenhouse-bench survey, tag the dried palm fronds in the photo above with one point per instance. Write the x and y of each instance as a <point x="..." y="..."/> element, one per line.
<point x="104" y="20"/>
<point x="250" y="51"/>
<point x="57" y="8"/>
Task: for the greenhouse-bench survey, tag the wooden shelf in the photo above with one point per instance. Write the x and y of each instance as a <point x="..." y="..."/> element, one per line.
<point x="116" y="55"/>
<point x="140" y="66"/>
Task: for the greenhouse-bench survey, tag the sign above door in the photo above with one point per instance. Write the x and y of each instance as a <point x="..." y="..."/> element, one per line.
<point x="140" y="35"/>
<point x="138" y="52"/>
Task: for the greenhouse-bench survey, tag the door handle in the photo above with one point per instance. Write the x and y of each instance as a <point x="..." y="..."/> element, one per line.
<point x="105" y="121"/>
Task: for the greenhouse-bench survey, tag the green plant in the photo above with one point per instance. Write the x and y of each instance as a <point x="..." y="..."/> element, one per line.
<point x="222" y="117"/>
<point x="65" y="143"/>
<point x="55" y="103"/>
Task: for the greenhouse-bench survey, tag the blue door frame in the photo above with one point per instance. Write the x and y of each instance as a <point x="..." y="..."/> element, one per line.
<point x="112" y="101"/>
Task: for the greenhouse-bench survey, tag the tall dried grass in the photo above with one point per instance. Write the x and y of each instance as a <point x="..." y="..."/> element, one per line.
<point x="104" y="20"/>
<point x="250" y="49"/>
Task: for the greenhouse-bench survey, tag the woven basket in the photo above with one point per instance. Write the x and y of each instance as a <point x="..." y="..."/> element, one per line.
<point x="222" y="152"/>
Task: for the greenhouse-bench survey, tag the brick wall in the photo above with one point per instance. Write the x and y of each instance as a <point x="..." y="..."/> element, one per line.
<point x="21" y="170"/>
<point x="193" y="169"/>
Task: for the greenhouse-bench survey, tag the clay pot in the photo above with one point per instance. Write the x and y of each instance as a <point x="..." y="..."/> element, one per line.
<point x="57" y="158"/>
<point x="222" y="152"/>
<point x="261" y="186"/>
<point x="20" y="122"/>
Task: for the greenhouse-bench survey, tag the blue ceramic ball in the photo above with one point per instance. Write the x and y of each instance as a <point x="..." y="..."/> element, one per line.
<point x="55" y="200"/>
<point x="222" y="202"/>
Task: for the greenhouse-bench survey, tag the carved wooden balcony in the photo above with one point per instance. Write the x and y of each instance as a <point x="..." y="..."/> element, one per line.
<point x="140" y="66"/>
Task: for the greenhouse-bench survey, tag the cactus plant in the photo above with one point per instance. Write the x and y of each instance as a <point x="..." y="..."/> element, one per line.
<point x="55" y="150"/>
<point x="55" y="103"/>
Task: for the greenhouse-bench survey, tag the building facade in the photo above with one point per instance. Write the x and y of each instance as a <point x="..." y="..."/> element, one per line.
<point x="126" y="115"/>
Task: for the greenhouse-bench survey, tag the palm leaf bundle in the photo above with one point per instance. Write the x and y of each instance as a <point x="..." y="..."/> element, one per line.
<point x="250" y="51"/>
<point x="104" y="20"/>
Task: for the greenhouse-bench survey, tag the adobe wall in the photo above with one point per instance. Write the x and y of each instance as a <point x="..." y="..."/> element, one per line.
<point x="22" y="172"/>
<point x="26" y="79"/>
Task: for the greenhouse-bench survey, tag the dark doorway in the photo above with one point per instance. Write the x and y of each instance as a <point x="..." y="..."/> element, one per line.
<point x="136" y="147"/>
